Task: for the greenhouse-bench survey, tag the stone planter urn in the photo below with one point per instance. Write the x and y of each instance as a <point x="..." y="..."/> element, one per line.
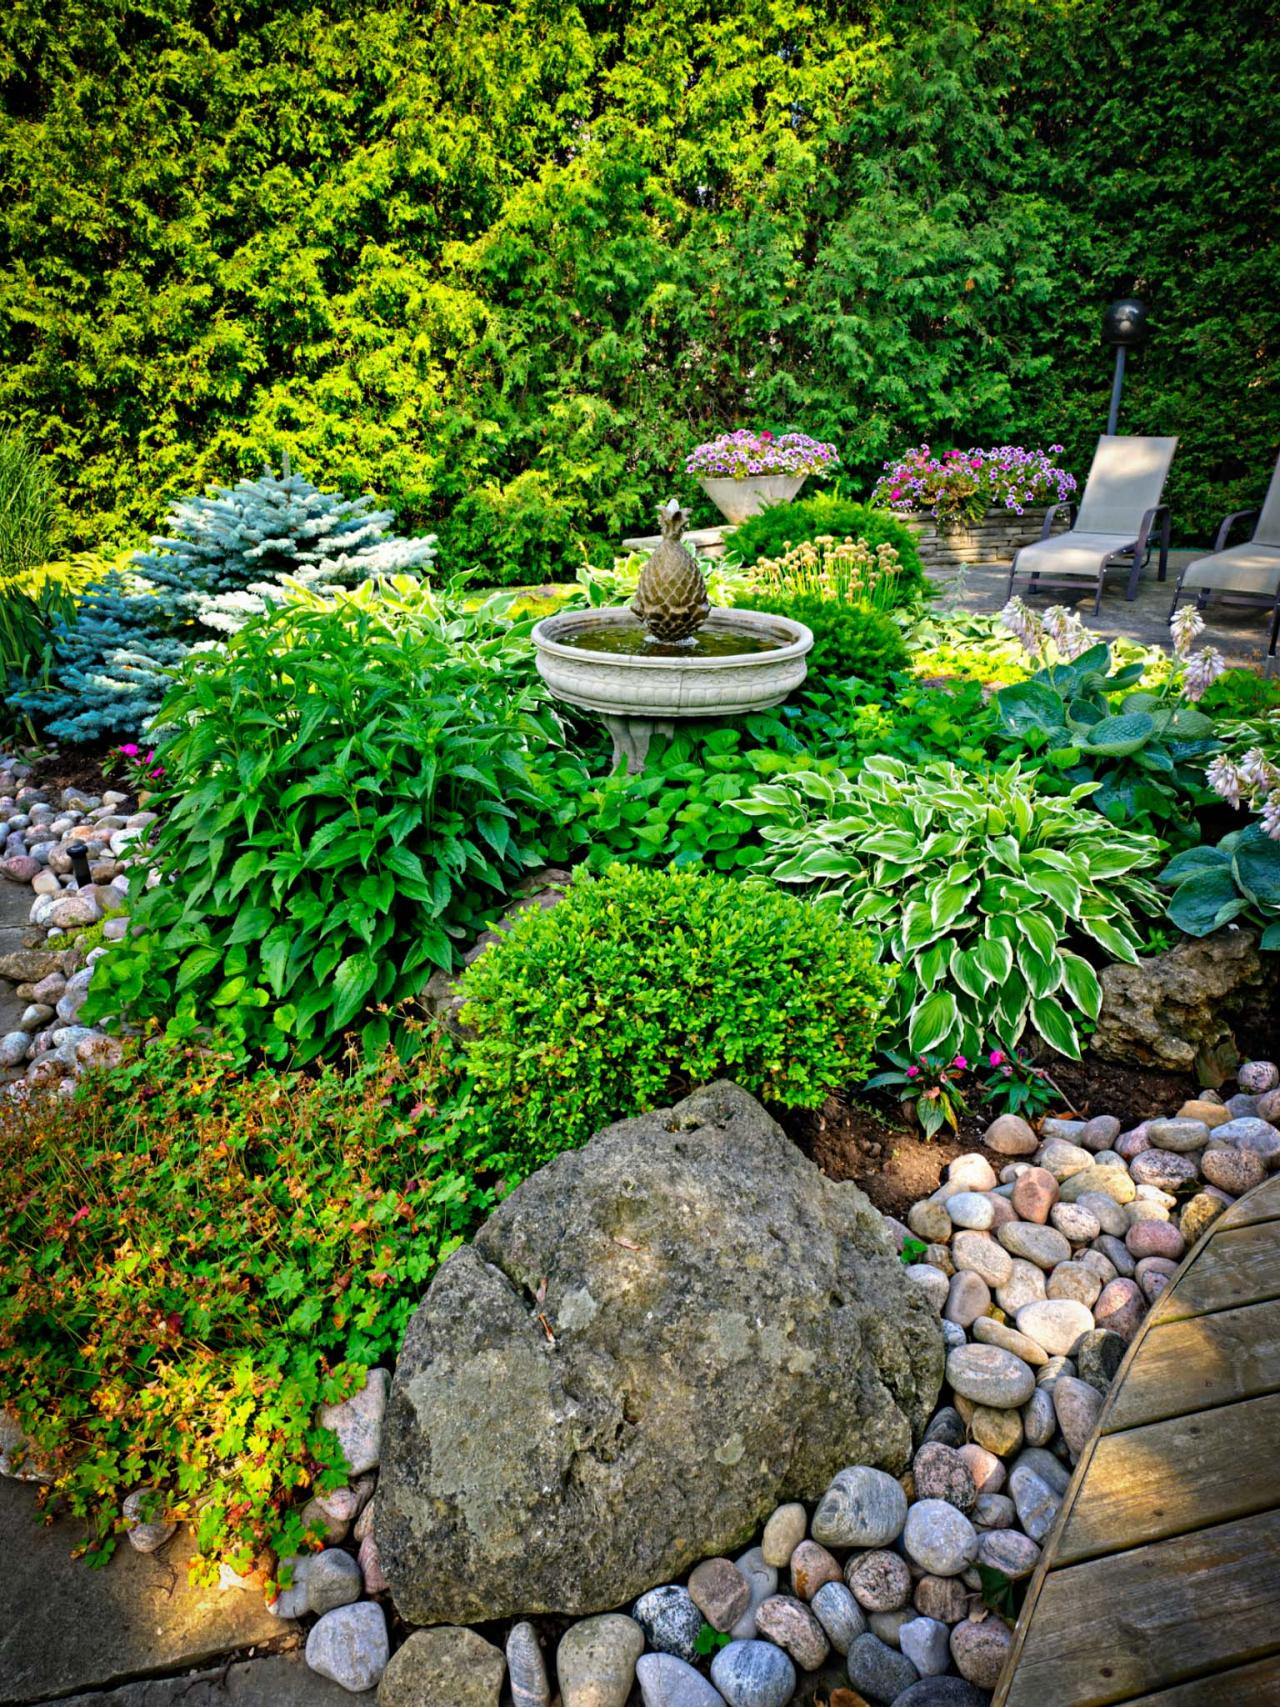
<point x="993" y="540"/>
<point x="739" y="500"/>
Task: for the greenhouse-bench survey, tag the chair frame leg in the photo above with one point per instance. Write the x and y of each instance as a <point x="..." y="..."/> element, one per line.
<point x="1275" y="627"/>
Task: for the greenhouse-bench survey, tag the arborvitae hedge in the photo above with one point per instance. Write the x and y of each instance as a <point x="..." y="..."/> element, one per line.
<point x="506" y="261"/>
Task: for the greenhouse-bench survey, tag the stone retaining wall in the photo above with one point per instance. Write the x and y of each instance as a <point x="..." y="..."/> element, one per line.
<point x="992" y="540"/>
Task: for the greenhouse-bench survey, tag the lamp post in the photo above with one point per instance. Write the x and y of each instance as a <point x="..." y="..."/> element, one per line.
<point x="1124" y="325"/>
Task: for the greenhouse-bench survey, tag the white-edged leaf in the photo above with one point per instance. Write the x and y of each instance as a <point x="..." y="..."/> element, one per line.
<point x="1081" y="983"/>
<point x="1053" y="1022"/>
<point x="933" y="1022"/>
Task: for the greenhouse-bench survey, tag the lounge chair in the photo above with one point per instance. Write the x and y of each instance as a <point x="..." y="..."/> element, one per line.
<point x="1242" y="574"/>
<point x="1118" y="515"/>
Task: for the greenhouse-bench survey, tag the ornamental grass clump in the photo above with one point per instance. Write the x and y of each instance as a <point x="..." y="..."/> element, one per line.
<point x="961" y="485"/>
<point x="741" y="455"/>
<point x="642" y="984"/>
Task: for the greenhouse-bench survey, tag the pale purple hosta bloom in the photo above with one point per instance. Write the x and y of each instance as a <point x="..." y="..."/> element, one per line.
<point x="1186" y="624"/>
<point x="1270" y="819"/>
<point x="1203" y="669"/>
<point x="1025" y="626"/>
<point x="1257" y="772"/>
<point x="1224" y="778"/>
<point x="1067" y="632"/>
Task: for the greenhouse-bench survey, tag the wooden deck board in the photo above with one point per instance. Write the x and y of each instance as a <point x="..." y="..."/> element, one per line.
<point x="1160" y="1586"/>
<point x="1199" y="1362"/>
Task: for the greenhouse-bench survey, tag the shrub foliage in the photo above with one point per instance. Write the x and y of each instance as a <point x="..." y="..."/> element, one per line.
<point x="640" y="984"/>
<point x="507" y="263"/>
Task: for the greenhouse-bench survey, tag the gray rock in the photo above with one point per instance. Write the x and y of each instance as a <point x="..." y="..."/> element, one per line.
<point x="1097" y="1357"/>
<point x="1024" y="1286"/>
<point x="753" y="1674"/>
<point x="1253" y="1134"/>
<point x="989" y="1375"/>
<point x="1033" y="1242"/>
<point x="596" y="1661"/>
<point x="981" y="1255"/>
<point x="931" y="1281"/>
<point x="987" y="1331"/>
<point x="1165" y="1168"/>
<point x="1077" y="1405"/>
<point x="349" y="1645"/>
<point x="940" y="1473"/>
<point x="1036" y="1502"/>
<point x="1181" y="1136"/>
<point x="1175" y="1010"/>
<point x="979" y="1648"/>
<point x="527" y="1669"/>
<point x="291" y="1602"/>
<point x="946" y="1425"/>
<point x="666" y="1681"/>
<point x="1050" y="1469"/>
<point x="942" y="1692"/>
<point x="927" y="1644"/>
<point x="1039" y="1420"/>
<point x="1256" y="1078"/>
<point x="762" y="1580"/>
<point x="940" y="1539"/>
<point x="994" y="1511"/>
<point x="863" y="1507"/>
<point x="669" y="1620"/>
<point x="1240" y="1106"/>
<point x="968" y="1297"/>
<point x="720" y="1592"/>
<point x="1009" y="1135"/>
<point x="13" y="1048"/>
<point x="1006" y="1550"/>
<point x="789" y="1623"/>
<point x="839" y="1615"/>
<point x="970" y="1209"/>
<point x="879" y="1580"/>
<point x="333" y="1579"/>
<point x="690" y="1257"/>
<point x="445" y="1667"/>
<point x="357" y="1422"/>
<point x="888" y="1625"/>
<point x="145" y="1536"/>
<point x="880" y="1672"/>
<point x="1056" y="1324"/>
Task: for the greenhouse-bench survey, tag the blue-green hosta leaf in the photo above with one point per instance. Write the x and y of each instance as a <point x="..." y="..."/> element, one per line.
<point x="1193" y="859"/>
<point x="933" y="1022"/>
<point x="1030" y="706"/>
<point x="1080" y="982"/>
<point x="1271" y="936"/>
<point x="1256" y="863"/>
<point x="1199" y="900"/>
<point x="1054" y="1024"/>
<point x="1114" y="737"/>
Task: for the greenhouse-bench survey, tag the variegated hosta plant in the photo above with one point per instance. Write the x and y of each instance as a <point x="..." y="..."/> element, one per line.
<point x="988" y="895"/>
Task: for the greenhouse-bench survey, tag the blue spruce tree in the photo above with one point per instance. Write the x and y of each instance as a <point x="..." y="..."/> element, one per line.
<point x="224" y="558"/>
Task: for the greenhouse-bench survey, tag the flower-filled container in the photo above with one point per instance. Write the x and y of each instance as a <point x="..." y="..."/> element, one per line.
<point x="745" y="472"/>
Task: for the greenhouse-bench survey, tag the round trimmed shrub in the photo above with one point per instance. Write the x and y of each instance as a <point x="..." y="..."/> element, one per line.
<point x="848" y="639"/>
<point x="641" y="984"/>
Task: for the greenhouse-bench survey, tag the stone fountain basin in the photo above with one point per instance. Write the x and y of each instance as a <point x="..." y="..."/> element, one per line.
<point x="618" y="685"/>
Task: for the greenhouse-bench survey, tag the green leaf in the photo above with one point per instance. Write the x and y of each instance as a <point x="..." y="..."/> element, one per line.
<point x="968" y="971"/>
<point x="995" y="956"/>
<point x="933" y="1022"/>
<point x="1256" y="863"/>
<point x="1114" y="737"/>
<point x="1030" y="706"/>
<point x="1197" y="901"/>
<point x="352" y="982"/>
<point x="1054" y="1024"/>
<point x="1081" y="983"/>
<point x="1039" y="933"/>
<point x="1107" y="936"/>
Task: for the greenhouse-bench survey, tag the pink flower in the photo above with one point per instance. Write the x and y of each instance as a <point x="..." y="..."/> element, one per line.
<point x="996" y="1057"/>
<point x="913" y="1072"/>
<point x="129" y="750"/>
<point x="960" y="1061"/>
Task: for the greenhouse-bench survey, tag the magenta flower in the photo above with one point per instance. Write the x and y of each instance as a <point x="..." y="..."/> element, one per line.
<point x="960" y="1061"/>
<point x="996" y="1057"/>
<point x="913" y="1072"/>
<point x="129" y="751"/>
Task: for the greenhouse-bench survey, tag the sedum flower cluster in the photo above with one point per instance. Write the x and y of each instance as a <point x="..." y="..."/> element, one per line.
<point x="962" y="484"/>
<point x="737" y="456"/>
<point x="831" y="568"/>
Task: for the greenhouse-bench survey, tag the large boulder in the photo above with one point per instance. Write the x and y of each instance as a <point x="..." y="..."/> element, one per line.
<point x="655" y="1341"/>
<point x="1175" y="1010"/>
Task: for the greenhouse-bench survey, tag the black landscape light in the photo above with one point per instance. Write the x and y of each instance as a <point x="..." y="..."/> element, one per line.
<point x="80" y="865"/>
<point x="1124" y="325"/>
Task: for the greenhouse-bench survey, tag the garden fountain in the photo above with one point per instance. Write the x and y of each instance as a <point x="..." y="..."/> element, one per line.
<point x="669" y="654"/>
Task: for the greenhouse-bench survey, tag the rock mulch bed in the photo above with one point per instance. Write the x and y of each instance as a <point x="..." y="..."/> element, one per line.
<point x="1041" y="1277"/>
<point x="46" y="841"/>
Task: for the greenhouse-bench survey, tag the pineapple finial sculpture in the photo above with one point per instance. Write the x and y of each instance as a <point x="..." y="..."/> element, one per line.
<point x="671" y="597"/>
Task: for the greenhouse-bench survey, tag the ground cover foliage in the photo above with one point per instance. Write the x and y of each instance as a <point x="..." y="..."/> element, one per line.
<point x="505" y="264"/>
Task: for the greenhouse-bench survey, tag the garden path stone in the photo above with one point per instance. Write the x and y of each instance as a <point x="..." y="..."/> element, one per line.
<point x="64" y="1627"/>
<point x="275" y="1680"/>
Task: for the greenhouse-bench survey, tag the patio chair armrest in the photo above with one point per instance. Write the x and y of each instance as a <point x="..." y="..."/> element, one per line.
<point x="1052" y="511"/>
<point x="1148" y="526"/>
<point x="1228" y="522"/>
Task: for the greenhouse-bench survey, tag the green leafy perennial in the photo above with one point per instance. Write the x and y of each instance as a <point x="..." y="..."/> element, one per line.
<point x="979" y="884"/>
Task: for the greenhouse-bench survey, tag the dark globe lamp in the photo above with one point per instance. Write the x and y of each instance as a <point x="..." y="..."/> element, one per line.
<point x="1124" y="325"/>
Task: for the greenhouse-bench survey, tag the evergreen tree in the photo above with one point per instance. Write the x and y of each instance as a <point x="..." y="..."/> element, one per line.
<point x="224" y="558"/>
<point x="226" y="555"/>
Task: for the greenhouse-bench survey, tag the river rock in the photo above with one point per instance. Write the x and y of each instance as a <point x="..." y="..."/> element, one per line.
<point x="349" y="1646"/>
<point x="1024" y="1286"/>
<point x="1181" y="1136"/>
<point x="1112" y="1182"/>
<point x="1060" y="1158"/>
<point x="863" y="1507"/>
<point x="989" y="1375"/>
<point x="1037" y="1503"/>
<point x="762" y="1580"/>
<point x="526" y="1668"/>
<point x="784" y="1532"/>
<point x="1165" y="1168"/>
<point x="333" y="1579"/>
<point x="811" y="1566"/>
<point x="970" y="1209"/>
<point x="979" y="1648"/>
<point x="357" y="1422"/>
<point x="997" y="1430"/>
<point x="596" y="1661"/>
<point x="1098" y="1355"/>
<point x="720" y="1592"/>
<point x="1009" y="1551"/>
<point x="145" y="1535"/>
<point x="1252" y="1134"/>
<point x="978" y="1253"/>
<point x="948" y="1691"/>
<point x="689" y="1258"/>
<point x="1099" y="1132"/>
<point x="789" y="1623"/>
<point x="879" y="1581"/>
<point x="670" y="1620"/>
<point x="968" y="1297"/>
<point x="1043" y="1246"/>
<point x="878" y="1671"/>
<point x="1077" y="1405"/>
<point x="1056" y="1324"/>
<point x="1233" y="1171"/>
<point x="939" y="1538"/>
<point x="930" y="1221"/>
<point x="994" y="1511"/>
<point x="1255" y="1078"/>
<point x="941" y="1473"/>
<point x="753" y="1674"/>
<point x="972" y="1172"/>
<point x="925" y="1642"/>
<point x="1039" y="1421"/>
<point x="444" y="1667"/>
<point x="839" y="1615"/>
<point x="1034" y="1194"/>
<point x="1147" y="1238"/>
<point x="1009" y="1135"/>
<point x="666" y="1681"/>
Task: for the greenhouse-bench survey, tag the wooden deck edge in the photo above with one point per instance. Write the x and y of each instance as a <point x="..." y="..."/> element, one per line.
<point x="1078" y="1475"/>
